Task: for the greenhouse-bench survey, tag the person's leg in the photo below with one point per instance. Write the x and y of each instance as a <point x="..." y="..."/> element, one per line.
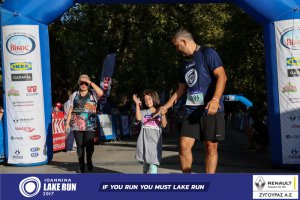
<point x="212" y="129"/>
<point x="78" y="135"/>
<point x="89" y="143"/>
<point x="70" y="140"/>
<point x="211" y="156"/>
<point x="189" y="133"/>
<point x="185" y="154"/>
<point x="152" y="169"/>
<point x="145" y="168"/>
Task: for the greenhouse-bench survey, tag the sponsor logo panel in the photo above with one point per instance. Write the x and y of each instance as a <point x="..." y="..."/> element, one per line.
<point x="18" y="154"/>
<point x="294" y="99"/>
<point x="16" y="138"/>
<point x="293" y="72"/>
<point x="25" y="128"/>
<point x="21" y="77"/>
<point x="289" y="136"/>
<point x="291" y="39"/>
<point x="294" y="154"/>
<point x="13" y="92"/>
<point x="275" y="186"/>
<point x="20" y="45"/>
<point x="22" y="103"/>
<point x="32" y="91"/>
<point x="22" y="120"/>
<point x="35" y="137"/>
<point x="21" y="66"/>
<point x="289" y="88"/>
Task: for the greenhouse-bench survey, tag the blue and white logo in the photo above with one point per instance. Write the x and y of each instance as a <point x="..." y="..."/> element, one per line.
<point x="191" y="77"/>
<point x="20" y="45"/>
<point x="29" y="187"/>
<point x="291" y="39"/>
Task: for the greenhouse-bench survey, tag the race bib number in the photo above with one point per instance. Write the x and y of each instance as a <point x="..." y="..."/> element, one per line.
<point x="153" y="123"/>
<point x="194" y="99"/>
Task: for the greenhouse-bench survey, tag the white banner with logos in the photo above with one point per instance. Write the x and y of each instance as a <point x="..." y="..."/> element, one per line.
<point x="288" y="67"/>
<point x="26" y="130"/>
<point x="106" y="128"/>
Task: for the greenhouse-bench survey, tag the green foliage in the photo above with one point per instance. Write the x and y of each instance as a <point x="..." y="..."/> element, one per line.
<point x="141" y="36"/>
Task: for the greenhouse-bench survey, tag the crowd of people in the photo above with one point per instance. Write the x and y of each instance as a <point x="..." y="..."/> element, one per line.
<point x="253" y="122"/>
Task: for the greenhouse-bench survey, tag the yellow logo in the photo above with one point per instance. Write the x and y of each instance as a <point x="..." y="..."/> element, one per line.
<point x="293" y="61"/>
<point x="21" y="66"/>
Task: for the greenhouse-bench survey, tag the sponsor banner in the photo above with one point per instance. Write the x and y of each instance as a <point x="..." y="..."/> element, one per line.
<point x="106" y="126"/>
<point x="106" y="78"/>
<point x="275" y="186"/>
<point x="24" y="94"/>
<point x="288" y="67"/>
<point x="125" y="125"/>
<point x="58" y="131"/>
<point x="143" y="186"/>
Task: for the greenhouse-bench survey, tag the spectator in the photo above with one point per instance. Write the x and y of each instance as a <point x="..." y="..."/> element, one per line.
<point x="58" y="107"/>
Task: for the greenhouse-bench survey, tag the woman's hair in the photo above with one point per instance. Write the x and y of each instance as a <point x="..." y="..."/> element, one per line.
<point x="155" y="98"/>
<point x="83" y="76"/>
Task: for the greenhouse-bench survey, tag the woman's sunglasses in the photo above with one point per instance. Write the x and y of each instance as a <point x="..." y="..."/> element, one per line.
<point x="83" y="83"/>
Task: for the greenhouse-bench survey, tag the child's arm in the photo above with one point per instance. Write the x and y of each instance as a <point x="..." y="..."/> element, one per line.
<point x="138" y="115"/>
<point x="163" y="121"/>
<point x="163" y="118"/>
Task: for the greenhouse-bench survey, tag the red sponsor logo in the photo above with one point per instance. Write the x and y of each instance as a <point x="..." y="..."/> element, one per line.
<point x="291" y="42"/>
<point x="35" y="137"/>
<point x="58" y="126"/>
<point x="27" y="129"/>
<point x="14" y="47"/>
<point x="31" y="88"/>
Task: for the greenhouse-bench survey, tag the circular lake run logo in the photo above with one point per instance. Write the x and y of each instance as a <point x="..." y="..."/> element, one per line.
<point x="30" y="186"/>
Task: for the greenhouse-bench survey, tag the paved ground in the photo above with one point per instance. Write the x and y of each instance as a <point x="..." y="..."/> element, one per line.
<point x="118" y="157"/>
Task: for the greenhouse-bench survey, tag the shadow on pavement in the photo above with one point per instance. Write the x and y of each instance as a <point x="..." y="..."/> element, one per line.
<point x="74" y="166"/>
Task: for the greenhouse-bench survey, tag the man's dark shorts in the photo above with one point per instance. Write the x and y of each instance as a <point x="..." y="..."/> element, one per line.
<point x="205" y="127"/>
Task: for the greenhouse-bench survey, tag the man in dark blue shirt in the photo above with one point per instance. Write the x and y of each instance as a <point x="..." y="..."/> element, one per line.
<point x="203" y="80"/>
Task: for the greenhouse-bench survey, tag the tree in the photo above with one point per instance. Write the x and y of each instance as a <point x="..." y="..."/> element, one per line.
<point x="141" y="35"/>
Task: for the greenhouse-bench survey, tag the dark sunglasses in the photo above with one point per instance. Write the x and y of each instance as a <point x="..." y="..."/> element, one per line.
<point x="84" y="83"/>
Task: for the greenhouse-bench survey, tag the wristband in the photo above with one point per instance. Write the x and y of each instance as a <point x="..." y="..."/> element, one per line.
<point x="214" y="98"/>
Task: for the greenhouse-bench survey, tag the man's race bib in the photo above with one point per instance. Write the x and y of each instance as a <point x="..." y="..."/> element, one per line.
<point x="153" y="123"/>
<point x="194" y="98"/>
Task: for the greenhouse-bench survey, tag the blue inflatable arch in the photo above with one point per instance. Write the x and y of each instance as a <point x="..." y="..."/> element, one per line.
<point x="239" y="98"/>
<point x="26" y="73"/>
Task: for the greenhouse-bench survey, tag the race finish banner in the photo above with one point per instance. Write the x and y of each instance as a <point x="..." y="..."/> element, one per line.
<point x="288" y="64"/>
<point x="106" y="78"/>
<point x="24" y="105"/>
<point x="149" y="187"/>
